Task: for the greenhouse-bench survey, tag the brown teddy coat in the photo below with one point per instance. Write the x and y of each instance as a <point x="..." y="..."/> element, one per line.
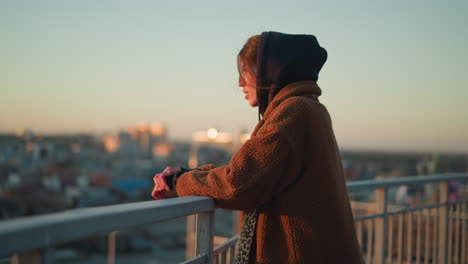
<point x="290" y="170"/>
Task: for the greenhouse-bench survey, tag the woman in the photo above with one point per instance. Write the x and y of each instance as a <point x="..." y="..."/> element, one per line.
<point x="287" y="179"/>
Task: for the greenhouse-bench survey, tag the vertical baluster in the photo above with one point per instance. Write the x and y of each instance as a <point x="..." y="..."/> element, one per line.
<point x="226" y="260"/>
<point x="190" y="237"/>
<point x="370" y="232"/>
<point x="111" y="241"/>
<point x="435" y="234"/>
<point x="205" y="233"/>
<point x="409" y="242"/>
<point x="450" y="235"/>
<point x="463" y="242"/>
<point x="456" y="245"/>
<point x="390" y="240"/>
<point x="465" y="218"/>
<point x="380" y="232"/>
<point x="401" y="218"/>
<point x="427" y="236"/>
<point x="465" y="221"/>
<point x="228" y="255"/>
<point x="232" y="254"/>
<point x="359" y="233"/>
<point x="443" y="222"/>
<point x="418" y="237"/>
<point x="223" y="257"/>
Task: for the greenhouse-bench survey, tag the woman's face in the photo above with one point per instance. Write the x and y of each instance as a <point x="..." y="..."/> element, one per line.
<point x="248" y="87"/>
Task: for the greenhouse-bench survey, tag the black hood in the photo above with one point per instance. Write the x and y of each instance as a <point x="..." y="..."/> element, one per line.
<point x="283" y="59"/>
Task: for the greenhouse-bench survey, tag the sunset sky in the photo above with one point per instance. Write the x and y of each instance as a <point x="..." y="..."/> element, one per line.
<point x="396" y="77"/>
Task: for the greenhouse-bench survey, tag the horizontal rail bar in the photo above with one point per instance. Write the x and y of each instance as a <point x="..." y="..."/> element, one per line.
<point x="408" y="210"/>
<point x="197" y="260"/>
<point x="374" y="184"/>
<point x="229" y="243"/>
<point x="48" y="230"/>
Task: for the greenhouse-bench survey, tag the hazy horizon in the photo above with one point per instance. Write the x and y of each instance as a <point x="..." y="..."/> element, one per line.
<point x="394" y="79"/>
<point x="188" y="139"/>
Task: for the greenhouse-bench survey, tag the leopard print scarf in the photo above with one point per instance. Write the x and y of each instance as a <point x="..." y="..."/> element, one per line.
<point x="244" y="245"/>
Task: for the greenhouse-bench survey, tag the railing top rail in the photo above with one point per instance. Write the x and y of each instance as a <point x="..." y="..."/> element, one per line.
<point x="374" y="184"/>
<point x="52" y="229"/>
<point x="47" y="230"/>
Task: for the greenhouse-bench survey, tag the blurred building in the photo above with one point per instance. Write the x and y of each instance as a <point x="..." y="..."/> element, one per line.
<point x="145" y="140"/>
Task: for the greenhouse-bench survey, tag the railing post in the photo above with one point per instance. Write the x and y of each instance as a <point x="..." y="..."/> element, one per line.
<point x="380" y="223"/>
<point x="443" y="223"/>
<point x="205" y="233"/>
<point x="190" y="237"/>
<point x="111" y="246"/>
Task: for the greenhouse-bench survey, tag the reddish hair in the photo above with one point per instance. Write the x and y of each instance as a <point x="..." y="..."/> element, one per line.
<point x="247" y="58"/>
<point x="247" y="62"/>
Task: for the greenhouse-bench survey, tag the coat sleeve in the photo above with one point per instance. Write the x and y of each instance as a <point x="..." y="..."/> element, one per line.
<point x="206" y="167"/>
<point x="257" y="173"/>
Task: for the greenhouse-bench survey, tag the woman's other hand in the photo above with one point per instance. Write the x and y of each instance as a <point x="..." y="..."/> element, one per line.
<point x="161" y="189"/>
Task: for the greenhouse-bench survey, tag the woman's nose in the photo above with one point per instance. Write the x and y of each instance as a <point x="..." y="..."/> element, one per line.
<point x="241" y="83"/>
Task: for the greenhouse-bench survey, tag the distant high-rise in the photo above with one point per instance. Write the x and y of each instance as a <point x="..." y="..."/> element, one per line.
<point x="141" y="139"/>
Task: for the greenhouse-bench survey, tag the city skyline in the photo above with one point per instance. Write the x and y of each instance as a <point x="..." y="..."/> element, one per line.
<point x="393" y="81"/>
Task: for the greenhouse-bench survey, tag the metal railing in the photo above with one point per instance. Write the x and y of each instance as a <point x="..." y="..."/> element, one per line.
<point x="427" y="233"/>
<point x="434" y="232"/>
<point x="44" y="232"/>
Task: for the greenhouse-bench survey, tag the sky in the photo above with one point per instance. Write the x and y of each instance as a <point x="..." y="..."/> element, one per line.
<point x="395" y="78"/>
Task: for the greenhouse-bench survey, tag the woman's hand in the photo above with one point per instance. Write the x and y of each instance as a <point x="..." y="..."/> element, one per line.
<point x="161" y="190"/>
<point x="159" y="195"/>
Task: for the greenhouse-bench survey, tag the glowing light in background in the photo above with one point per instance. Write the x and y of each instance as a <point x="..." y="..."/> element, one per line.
<point x="212" y="133"/>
